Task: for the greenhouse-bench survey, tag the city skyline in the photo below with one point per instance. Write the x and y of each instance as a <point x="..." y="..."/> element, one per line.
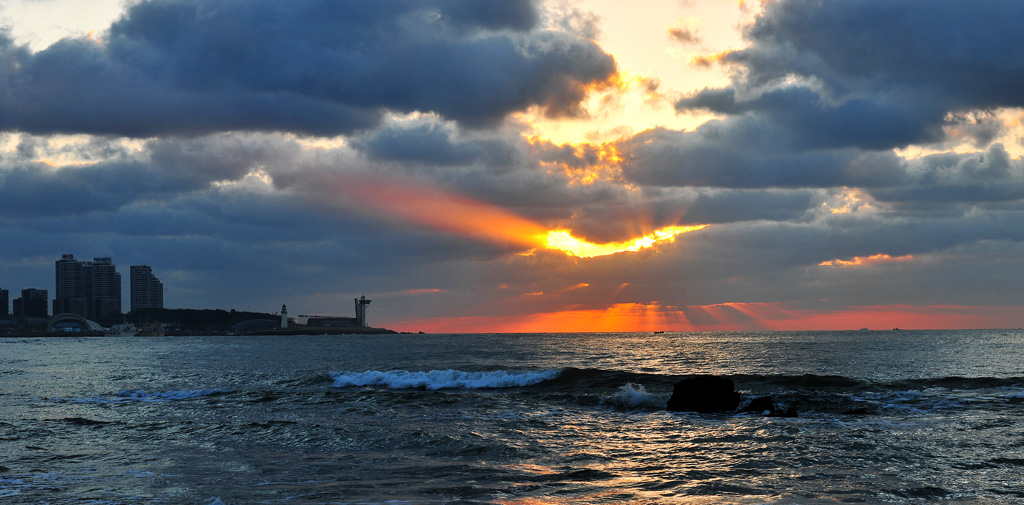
<point x="528" y="165"/>
<point x="92" y="289"/>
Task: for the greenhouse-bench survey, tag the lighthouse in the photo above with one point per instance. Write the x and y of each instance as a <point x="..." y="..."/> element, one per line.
<point x="284" y="316"/>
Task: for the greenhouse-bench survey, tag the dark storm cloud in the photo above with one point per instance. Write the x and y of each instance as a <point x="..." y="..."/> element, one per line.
<point x="826" y="90"/>
<point x="205" y="186"/>
<point x="163" y="169"/>
<point x="950" y="178"/>
<point x="873" y="74"/>
<point x="499" y="167"/>
<point x="319" y="67"/>
<point x="875" y="122"/>
<point x="966" y="53"/>
<point x="433" y="143"/>
<point x="206" y="238"/>
<point x="712" y="207"/>
<point x="748" y="152"/>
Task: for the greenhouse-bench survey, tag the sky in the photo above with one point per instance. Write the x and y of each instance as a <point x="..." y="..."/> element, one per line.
<point x="522" y="166"/>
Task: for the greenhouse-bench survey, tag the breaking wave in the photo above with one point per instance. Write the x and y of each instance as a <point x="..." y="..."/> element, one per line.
<point x="442" y="379"/>
<point x="635" y="396"/>
<point x="806" y="393"/>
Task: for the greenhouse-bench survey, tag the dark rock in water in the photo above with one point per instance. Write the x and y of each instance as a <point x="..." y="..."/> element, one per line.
<point x="705" y="394"/>
<point x="709" y="394"/>
<point x="759" y="405"/>
<point x="790" y="412"/>
<point x="764" y="404"/>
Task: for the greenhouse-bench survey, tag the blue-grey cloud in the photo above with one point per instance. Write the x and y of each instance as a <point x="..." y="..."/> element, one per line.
<point x="748" y="152"/>
<point x="948" y="179"/>
<point x="163" y="169"/>
<point x="726" y="206"/>
<point x="499" y="167"/>
<point x="873" y="74"/>
<point x="966" y="54"/>
<point x="431" y="143"/>
<point x="239" y="218"/>
<point x="188" y="67"/>
<point x="207" y="238"/>
<point x="810" y="121"/>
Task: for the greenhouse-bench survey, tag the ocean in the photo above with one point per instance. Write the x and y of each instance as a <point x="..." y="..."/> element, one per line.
<point x="883" y="417"/>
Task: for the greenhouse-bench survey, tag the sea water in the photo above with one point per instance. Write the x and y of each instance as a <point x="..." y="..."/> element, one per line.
<point x="901" y="416"/>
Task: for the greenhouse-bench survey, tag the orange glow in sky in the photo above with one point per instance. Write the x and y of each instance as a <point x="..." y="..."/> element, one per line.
<point x="605" y="164"/>
<point x="409" y="202"/>
<point x="869" y="260"/>
<point x="424" y="205"/>
<point x="564" y="241"/>
<point x="626" y="317"/>
<point x="617" y="317"/>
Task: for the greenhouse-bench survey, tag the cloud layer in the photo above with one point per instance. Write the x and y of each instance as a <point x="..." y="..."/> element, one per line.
<point x="222" y="142"/>
<point x="184" y="67"/>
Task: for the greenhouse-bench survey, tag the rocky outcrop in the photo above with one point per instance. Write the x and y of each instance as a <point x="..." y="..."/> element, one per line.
<point x="709" y="394"/>
<point x="765" y="405"/>
<point x="759" y="405"/>
<point x="706" y="394"/>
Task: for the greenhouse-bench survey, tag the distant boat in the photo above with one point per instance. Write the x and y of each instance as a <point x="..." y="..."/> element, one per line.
<point x="121" y="330"/>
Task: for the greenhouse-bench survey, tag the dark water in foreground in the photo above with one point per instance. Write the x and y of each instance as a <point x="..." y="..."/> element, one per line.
<point x="906" y="417"/>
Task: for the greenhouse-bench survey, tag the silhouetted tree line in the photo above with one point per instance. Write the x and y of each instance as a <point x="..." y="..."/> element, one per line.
<point x="195" y="319"/>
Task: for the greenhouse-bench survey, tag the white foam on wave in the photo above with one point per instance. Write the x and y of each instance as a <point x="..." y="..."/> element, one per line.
<point x="918" y="401"/>
<point x="635" y="396"/>
<point x="442" y="379"/>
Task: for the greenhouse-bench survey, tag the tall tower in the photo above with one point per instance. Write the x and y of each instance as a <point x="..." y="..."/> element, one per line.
<point x="105" y="284"/>
<point x="5" y="304"/>
<point x="284" y="316"/>
<point x="146" y="290"/>
<point x="361" y="304"/>
<point x="72" y="294"/>
<point x="90" y="289"/>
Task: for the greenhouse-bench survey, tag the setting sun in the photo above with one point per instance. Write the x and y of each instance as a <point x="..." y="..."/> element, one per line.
<point x="564" y="241"/>
<point x="411" y="202"/>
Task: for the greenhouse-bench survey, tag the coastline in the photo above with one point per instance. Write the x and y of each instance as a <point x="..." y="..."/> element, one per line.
<point x="275" y="332"/>
<point x="325" y="331"/>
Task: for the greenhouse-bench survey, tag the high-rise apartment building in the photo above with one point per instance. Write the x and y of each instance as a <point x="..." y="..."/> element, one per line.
<point x="146" y="290"/>
<point x="5" y="305"/>
<point x="71" y="296"/>
<point x="91" y="289"/>
<point x="32" y="304"/>
<point x="106" y="289"/>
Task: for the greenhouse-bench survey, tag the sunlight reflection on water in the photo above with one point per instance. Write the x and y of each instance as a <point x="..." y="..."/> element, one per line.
<point x="897" y="416"/>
